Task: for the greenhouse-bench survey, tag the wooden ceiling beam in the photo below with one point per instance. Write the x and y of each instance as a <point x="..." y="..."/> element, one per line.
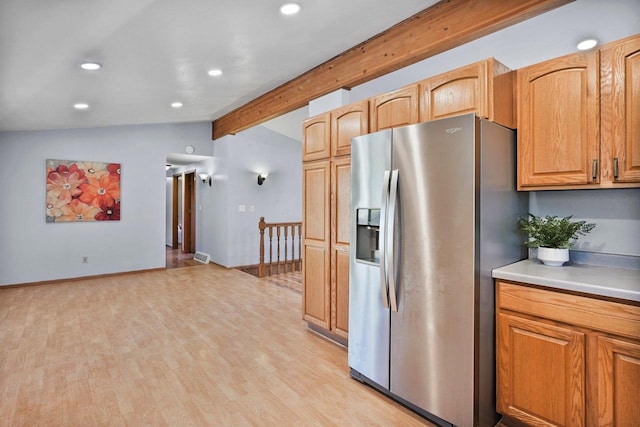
<point x="443" y="26"/>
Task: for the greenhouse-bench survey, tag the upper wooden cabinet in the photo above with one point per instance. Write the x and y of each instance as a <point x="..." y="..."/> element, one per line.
<point x="579" y="120"/>
<point x="347" y="122"/>
<point x="394" y="109"/>
<point x="316" y="138"/>
<point x="620" y="110"/>
<point x="559" y="122"/>
<point x="329" y="134"/>
<point x="485" y="88"/>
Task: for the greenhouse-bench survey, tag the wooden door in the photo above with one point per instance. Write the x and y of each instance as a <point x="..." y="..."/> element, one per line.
<point x="189" y="213"/>
<point x="620" y="91"/>
<point x="394" y="109"/>
<point x="175" y="220"/>
<point x="559" y="122"/>
<point x="340" y="221"/>
<point x="618" y="377"/>
<point x="541" y="372"/>
<point x="347" y="122"/>
<point x="316" y="258"/>
<point x="316" y="132"/>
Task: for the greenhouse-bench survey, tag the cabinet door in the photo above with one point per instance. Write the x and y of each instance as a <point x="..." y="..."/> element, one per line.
<point x="340" y="221"/>
<point x="316" y="255"/>
<point x="394" y="109"/>
<point x="340" y="293"/>
<point x="316" y="134"/>
<point x="315" y="288"/>
<point x="541" y="372"/>
<point x="484" y="88"/>
<point x="457" y="92"/>
<point x="559" y="122"/>
<point x="620" y="89"/>
<point x="618" y="382"/>
<point x="316" y="201"/>
<point x="347" y="122"/>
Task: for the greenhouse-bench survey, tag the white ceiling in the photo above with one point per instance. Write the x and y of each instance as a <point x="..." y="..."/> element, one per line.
<point x="155" y="52"/>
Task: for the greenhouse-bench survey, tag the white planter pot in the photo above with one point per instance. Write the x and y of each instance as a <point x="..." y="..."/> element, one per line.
<point x="553" y="257"/>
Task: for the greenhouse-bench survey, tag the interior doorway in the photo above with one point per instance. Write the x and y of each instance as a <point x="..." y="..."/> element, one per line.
<point x="184" y="212"/>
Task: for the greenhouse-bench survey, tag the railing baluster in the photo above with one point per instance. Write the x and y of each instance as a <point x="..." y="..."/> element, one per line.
<point x="270" y="250"/>
<point x="293" y="248"/>
<point x="278" y="264"/>
<point x="286" y="235"/>
<point x="300" y="247"/>
<point x="261" y="227"/>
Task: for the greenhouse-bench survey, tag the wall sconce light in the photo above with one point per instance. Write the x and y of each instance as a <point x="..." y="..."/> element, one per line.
<point x="262" y="177"/>
<point x="205" y="177"/>
<point x="167" y="167"/>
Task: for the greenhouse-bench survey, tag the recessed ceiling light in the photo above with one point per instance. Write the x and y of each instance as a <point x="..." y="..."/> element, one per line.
<point x="587" y="44"/>
<point x="81" y="106"/>
<point x="91" y="66"/>
<point x="176" y="104"/>
<point x="290" y="8"/>
<point x="215" y="72"/>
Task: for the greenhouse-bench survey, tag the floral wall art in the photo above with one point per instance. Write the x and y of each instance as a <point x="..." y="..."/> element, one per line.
<point x="82" y="191"/>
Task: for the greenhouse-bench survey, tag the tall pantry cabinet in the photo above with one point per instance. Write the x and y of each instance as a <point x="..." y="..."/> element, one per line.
<point x="326" y="214"/>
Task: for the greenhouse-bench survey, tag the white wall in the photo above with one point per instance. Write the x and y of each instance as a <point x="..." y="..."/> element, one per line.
<point x="229" y="236"/>
<point x="616" y="214"/>
<point x="32" y="250"/>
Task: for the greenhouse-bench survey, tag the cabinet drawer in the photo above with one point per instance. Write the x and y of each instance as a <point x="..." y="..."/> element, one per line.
<point x="606" y="316"/>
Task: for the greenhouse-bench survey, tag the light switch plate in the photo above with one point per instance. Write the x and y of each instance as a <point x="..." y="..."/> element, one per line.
<point x="242" y="208"/>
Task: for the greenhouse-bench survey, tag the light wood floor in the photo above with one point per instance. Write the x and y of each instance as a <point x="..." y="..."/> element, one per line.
<point x="198" y="346"/>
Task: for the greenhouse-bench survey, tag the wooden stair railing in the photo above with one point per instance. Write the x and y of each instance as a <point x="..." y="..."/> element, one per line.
<point x="292" y="261"/>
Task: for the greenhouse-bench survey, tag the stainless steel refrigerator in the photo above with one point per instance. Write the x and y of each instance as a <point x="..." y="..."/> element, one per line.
<point x="434" y="209"/>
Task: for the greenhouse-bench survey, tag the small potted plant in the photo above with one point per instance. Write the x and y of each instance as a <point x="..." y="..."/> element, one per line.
<point x="553" y="236"/>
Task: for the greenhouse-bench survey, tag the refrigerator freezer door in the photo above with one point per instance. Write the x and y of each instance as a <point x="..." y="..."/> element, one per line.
<point x="432" y="334"/>
<point x="368" y="318"/>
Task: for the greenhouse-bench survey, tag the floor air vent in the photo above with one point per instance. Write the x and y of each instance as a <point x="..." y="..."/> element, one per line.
<point x="202" y="257"/>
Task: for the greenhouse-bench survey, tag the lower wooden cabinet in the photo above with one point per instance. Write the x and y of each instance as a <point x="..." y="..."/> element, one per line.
<point x="316" y="295"/>
<point x="541" y="371"/>
<point x="618" y="396"/>
<point x="340" y="293"/>
<point x="565" y="359"/>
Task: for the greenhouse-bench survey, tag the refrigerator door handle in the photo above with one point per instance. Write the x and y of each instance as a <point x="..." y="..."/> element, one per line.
<point x="383" y="239"/>
<point x="393" y="198"/>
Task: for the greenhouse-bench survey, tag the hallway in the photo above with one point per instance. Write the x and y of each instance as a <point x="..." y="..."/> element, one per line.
<point x="176" y="258"/>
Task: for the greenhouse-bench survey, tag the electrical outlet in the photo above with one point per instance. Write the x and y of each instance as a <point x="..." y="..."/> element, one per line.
<point x="85" y="260"/>
<point x="252" y="208"/>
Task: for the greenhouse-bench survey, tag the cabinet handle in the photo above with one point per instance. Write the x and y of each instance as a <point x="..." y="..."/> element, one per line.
<point x="615" y="168"/>
<point x="594" y="169"/>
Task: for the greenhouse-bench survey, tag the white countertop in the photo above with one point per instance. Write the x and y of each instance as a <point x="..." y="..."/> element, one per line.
<point x="589" y="279"/>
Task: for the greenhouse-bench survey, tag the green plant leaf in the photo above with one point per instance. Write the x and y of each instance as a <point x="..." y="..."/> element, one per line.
<point x="552" y="231"/>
